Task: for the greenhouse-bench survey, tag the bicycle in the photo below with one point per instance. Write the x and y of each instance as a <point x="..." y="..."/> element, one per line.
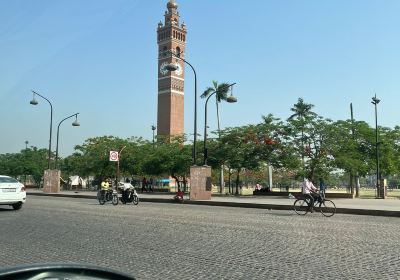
<point x="302" y="205"/>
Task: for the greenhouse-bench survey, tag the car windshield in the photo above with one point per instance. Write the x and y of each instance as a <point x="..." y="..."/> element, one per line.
<point x="7" y="180"/>
<point x="203" y="139"/>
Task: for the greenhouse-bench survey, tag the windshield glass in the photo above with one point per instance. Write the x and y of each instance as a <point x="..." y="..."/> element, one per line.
<point x="7" y="180"/>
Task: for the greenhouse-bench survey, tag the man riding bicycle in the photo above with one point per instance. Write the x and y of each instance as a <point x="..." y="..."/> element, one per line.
<point x="310" y="192"/>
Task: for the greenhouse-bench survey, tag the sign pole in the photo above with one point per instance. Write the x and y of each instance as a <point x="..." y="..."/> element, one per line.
<point x="119" y="157"/>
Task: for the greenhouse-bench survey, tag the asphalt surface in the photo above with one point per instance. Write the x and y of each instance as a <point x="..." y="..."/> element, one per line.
<point x="178" y="241"/>
<point x="373" y="207"/>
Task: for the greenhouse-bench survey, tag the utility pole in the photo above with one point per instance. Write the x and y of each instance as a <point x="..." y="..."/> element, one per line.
<point x="356" y="178"/>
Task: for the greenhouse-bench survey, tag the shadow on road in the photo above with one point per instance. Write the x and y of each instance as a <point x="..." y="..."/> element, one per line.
<point x="279" y="213"/>
<point x="3" y="208"/>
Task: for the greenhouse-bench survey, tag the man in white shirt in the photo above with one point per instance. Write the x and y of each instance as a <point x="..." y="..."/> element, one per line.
<point x="310" y="192"/>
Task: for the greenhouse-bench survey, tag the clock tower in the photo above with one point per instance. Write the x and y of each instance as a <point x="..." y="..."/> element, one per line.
<point x="171" y="37"/>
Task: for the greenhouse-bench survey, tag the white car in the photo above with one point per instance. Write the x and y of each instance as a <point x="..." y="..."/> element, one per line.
<point x="12" y="192"/>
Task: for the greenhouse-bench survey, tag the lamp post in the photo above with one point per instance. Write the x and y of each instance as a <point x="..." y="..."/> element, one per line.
<point x="75" y="123"/>
<point x="173" y="67"/>
<point x="230" y="99"/>
<point x="376" y="101"/>
<point x="153" y="128"/>
<point x="26" y="149"/>
<point x="34" y="102"/>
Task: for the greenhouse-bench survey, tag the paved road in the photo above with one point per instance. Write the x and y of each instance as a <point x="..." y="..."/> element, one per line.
<point x="168" y="241"/>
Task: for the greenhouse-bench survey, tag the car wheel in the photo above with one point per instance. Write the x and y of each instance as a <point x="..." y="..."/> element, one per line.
<point x="17" y="206"/>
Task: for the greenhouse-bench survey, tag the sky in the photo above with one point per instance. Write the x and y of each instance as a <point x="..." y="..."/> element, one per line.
<point x="98" y="58"/>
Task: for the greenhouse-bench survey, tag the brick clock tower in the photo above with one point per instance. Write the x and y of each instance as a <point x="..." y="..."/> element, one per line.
<point x="171" y="37"/>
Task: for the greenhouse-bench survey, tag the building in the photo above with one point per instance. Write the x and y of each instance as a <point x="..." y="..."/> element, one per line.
<point x="171" y="37"/>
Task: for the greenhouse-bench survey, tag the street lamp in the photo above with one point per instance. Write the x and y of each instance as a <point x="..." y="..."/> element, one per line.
<point x="34" y="102"/>
<point x="153" y="128"/>
<point x="173" y="67"/>
<point x="26" y="144"/>
<point x="75" y="123"/>
<point x="376" y="101"/>
<point x="230" y="99"/>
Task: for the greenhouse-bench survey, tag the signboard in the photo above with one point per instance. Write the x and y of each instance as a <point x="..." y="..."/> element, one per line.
<point x="114" y="156"/>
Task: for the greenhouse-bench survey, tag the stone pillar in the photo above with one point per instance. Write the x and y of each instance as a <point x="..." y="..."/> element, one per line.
<point x="382" y="190"/>
<point x="200" y="183"/>
<point x="51" y="180"/>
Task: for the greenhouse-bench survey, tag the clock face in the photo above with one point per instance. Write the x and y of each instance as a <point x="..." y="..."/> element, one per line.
<point x="164" y="71"/>
<point x="179" y="70"/>
<point x="163" y="68"/>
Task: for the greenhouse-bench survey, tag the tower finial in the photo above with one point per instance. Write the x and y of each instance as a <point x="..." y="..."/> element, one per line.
<point x="172" y="4"/>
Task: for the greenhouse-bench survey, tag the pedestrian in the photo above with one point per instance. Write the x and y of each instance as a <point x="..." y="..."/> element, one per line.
<point x="322" y="187"/>
<point x="150" y="184"/>
<point x="144" y="184"/>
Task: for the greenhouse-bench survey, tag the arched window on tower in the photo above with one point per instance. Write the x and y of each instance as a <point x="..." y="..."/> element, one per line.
<point x="165" y="50"/>
<point x="178" y="51"/>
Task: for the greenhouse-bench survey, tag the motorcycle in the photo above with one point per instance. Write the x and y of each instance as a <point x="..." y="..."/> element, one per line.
<point x="129" y="194"/>
<point x="105" y="195"/>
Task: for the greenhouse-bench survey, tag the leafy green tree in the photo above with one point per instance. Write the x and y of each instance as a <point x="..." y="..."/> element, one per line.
<point x="352" y="147"/>
<point x="92" y="157"/>
<point x="300" y="121"/>
<point x="238" y="151"/>
<point x="31" y="161"/>
<point x="171" y="158"/>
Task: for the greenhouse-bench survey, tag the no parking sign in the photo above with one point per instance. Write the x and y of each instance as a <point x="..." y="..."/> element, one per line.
<point x="114" y="156"/>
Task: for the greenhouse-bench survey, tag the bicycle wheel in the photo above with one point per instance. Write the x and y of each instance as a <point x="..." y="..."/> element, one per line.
<point x="115" y="199"/>
<point x="327" y="208"/>
<point x="135" y="200"/>
<point x="300" y="206"/>
<point x="101" y="198"/>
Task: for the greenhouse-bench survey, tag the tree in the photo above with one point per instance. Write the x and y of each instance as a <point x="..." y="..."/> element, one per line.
<point x="221" y="93"/>
<point x="171" y="158"/>
<point x="299" y="121"/>
<point x="238" y="151"/>
<point x="352" y="153"/>
<point x="31" y="161"/>
<point x="92" y="157"/>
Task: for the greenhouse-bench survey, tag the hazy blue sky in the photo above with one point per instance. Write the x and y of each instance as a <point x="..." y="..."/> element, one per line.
<point x="99" y="58"/>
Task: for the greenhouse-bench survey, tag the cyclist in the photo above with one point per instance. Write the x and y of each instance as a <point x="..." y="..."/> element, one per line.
<point x="310" y="192"/>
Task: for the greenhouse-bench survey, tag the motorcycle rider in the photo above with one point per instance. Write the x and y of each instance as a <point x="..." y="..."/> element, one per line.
<point x="105" y="185"/>
<point x="126" y="189"/>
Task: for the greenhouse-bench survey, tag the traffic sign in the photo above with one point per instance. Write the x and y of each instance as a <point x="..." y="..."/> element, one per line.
<point x="114" y="156"/>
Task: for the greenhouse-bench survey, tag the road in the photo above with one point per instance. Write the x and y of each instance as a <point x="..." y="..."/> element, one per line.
<point x="168" y="241"/>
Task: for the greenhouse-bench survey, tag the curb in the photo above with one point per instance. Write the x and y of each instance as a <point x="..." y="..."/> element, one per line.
<point x="369" y="212"/>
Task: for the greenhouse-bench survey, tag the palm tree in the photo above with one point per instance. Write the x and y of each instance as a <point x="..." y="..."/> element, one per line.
<point x="221" y="93"/>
